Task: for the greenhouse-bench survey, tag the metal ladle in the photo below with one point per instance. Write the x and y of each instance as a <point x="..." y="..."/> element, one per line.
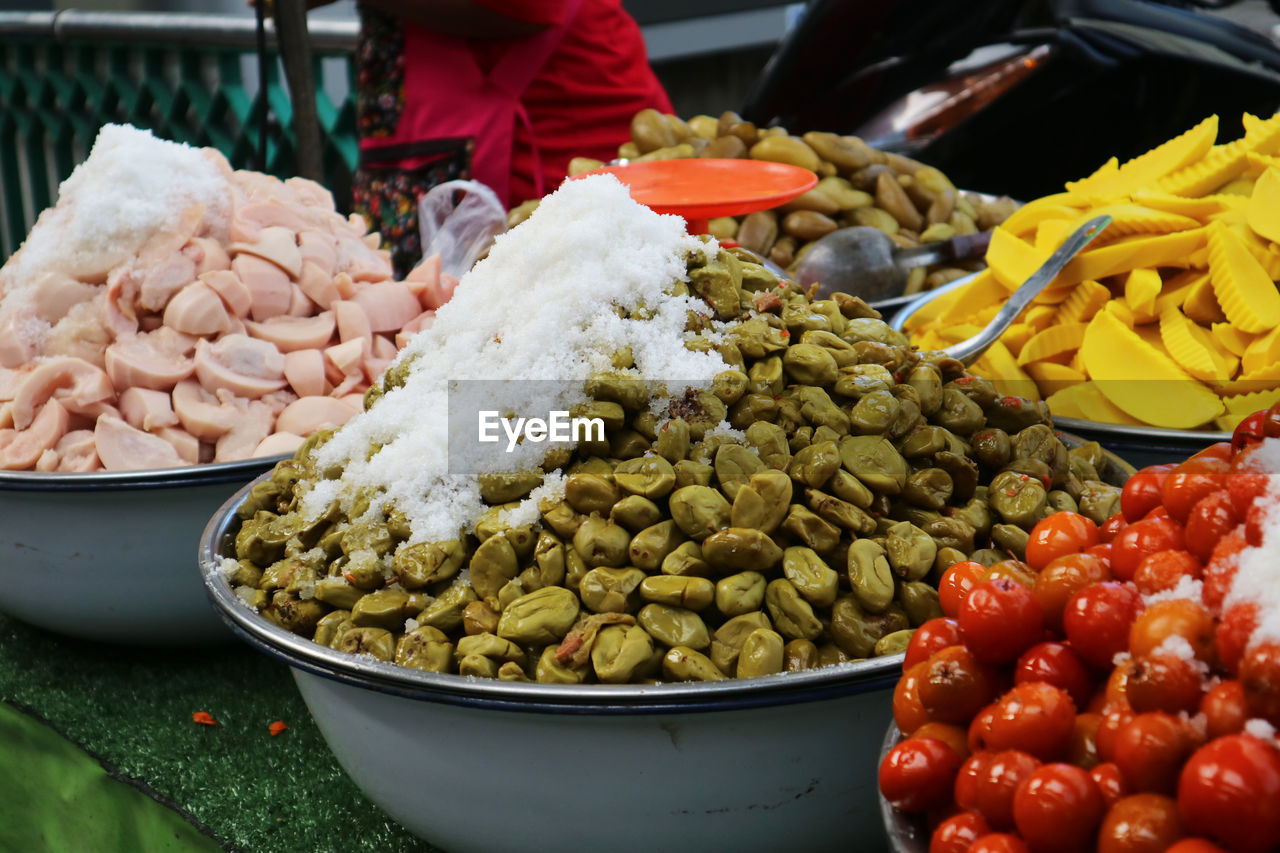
<point x="969" y="351"/>
<point x="863" y="261"/>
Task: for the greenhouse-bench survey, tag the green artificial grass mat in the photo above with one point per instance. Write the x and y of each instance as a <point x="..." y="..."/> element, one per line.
<point x="131" y="708"/>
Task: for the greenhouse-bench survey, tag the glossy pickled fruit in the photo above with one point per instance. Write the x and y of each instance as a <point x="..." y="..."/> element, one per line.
<point x="690" y="473"/>
<point x="740" y="593"/>
<point x="479" y="618"/>
<point x="792" y="616"/>
<point x="874" y="413"/>
<point x="1099" y="501"/>
<point x="719" y="284"/>
<point x="693" y="593"/>
<point x="619" y="651"/>
<point x="549" y="670"/>
<point x="763" y="502"/>
<point x="734" y="466"/>
<point x="331" y="625"/>
<point x="766" y="377"/>
<point x="840" y="513"/>
<point x="874" y="461"/>
<point x="963" y="472"/>
<point x="798" y="655"/>
<point x="686" y="561"/>
<point x="892" y="198"/>
<point x="755" y="338"/>
<point x="539" y="618"/>
<point x="1011" y="538"/>
<point x="651" y="546"/>
<point x="762" y="654"/>
<point x="699" y="511"/>
<point x="367" y="537"/>
<point x="1017" y="498"/>
<point x="849" y="488"/>
<point x="848" y="153"/>
<point x="740" y="549"/>
<point x="600" y="543"/>
<point x="808" y="364"/>
<point x="386" y="608"/>
<point x="424" y="563"/>
<point x="681" y="663"/>
<point x="647" y="476"/>
<point x="651" y="131"/>
<point x="840" y="349"/>
<point x="856" y="631"/>
<point x="1038" y="442"/>
<point x="445" y="610"/>
<point x="958" y="413"/>
<point x="770" y="442"/>
<point x="924" y="442"/>
<point x="811" y="529"/>
<point x="672" y="442"/>
<point x="870" y="575"/>
<point x="727" y="640"/>
<point x="892" y="644"/>
<point x="563" y="519"/>
<point x="338" y="592"/>
<point x="930" y="488"/>
<point x="814" y="465"/>
<point x="1060" y="501"/>
<point x="588" y="493"/>
<point x="674" y="626"/>
<point x="729" y="386"/>
<point x="378" y="642"/>
<point x="810" y="575"/>
<point x="611" y="590"/>
<point x="477" y="666"/>
<point x="490" y="646"/>
<point x="511" y="672"/>
<point x="819" y="410"/>
<point x="503" y="488"/>
<point x="911" y="551"/>
<point x="548" y="567"/>
<point x="425" y="648"/>
<point x="927" y="381"/>
<point x="635" y="513"/>
<point x="992" y="447"/>
<point x="786" y="149"/>
<point x="919" y="601"/>
<point x="492" y="565"/>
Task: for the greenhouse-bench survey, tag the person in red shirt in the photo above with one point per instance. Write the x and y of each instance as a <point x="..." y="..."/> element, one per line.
<point x="505" y="92"/>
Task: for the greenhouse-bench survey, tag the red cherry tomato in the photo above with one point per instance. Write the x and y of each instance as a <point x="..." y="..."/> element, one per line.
<point x="1255" y="523"/>
<point x="908" y="712"/>
<point x="1143" y="491"/>
<point x="1271" y="422"/>
<point x="972" y="770"/>
<point x="1063" y="578"/>
<point x="1220" y="571"/>
<point x="955" y="685"/>
<point x="1115" y="716"/>
<point x="1218" y="450"/>
<point x="1056" y="664"/>
<point x="1248" y="479"/>
<point x="1181" y="616"/>
<point x="1228" y="791"/>
<point x="1151" y="749"/>
<point x="1083" y="749"/>
<point x="1224" y="709"/>
<point x="1195" y="845"/>
<point x="1191" y="481"/>
<point x="980" y="728"/>
<point x="932" y="636"/>
<point x="1058" y="808"/>
<point x="999" y="620"/>
<point x="1140" y="823"/>
<point x="999" y="842"/>
<point x="1107" y="777"/>
<point x="955" y="584"/>
<point x="918" y="774"/>
<point x="1058" y="534"/>
<point x="1036" y="718"/>
<point x="1097" y="620"/>
<point x="999" y="780"/>
<point x="953" y="736"/>
<point x="1111" y="527"/>
<point x="1260" y="678"/>
<point x="1164" y="682"/>
<point x="956" y="833"/>
<point x="1138" y="540"/>
<point x="1248" y="431"/>
<point x="1163" y="570"/>
<point x="1210" y="519"/>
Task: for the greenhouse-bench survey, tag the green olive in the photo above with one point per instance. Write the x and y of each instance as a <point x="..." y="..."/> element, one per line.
<point x="740" y="549"/>
<point x="699" y="511"/>
<point x="541" y="617"/>
<point x="694" y="593"/>
<point x="870" y="575"/>
<point x="681" y="663"/>
<point x="425" y="648"/>
<point x="606" y="590"/>
<point x="763" y="502"/>
<point x="619" y="651"/>
<point x="734" y="466"/>
<point x="791" y="614"/>
<point x="674" y="626"/>
<point x="650" y="477"/>
<point x="874" y="461"/>
<point x="650" y="547"/>
<point x="588" y="493"/>
<point x="762" y="654"/>
<point x="810" y="575"/>
<point x="686" y="561"/>
<point x="599" y="543"/>
<point x="740" y="593"/>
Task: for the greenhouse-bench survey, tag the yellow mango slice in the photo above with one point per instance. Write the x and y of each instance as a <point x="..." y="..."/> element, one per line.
<point x="940" y="306"/>
<point x="1248" y="297"/>
<point x="1199" y="209"/>
<point x="1121" y="312"/>
<point x="1232" y="339"/>
<point x="1077" y="364"/>
<point x="1237" y="217"/>
<point x="1097" y="407"/>
<point x="1051" y="377"/>
<point x="1054" y="295"/>
<point x="959" y="332"/>
<point x="1223" y="163"/>
<point x="1054" y="340"/>
<point x="1142" y="381"/>
<point x="1262" y="379"/>
<point x="1201" y="303"/>
<point x="1241" y="186"/>
<point x="1051" y="233"/>
<point x="1039" y="317"/>
<point x="1013" y="260"/>
<point x="1026" y="219"/>
<point x="984" y="290"/>
<point x="1016" y="337"/>
<point x="1248" y="403"/>
<point x="1264" y="206"/>
<point x="998" y="365"/>
<point x="1195" y="354"/>
<point x="1086" y="299"/>
<point x="1166" y="250"/>
<point x="1065" y="402"/>
<point x="929" y="341"/>
<point x="1130" y="219"/>
<point x="1264" y="350"/>
<point x="1229" y="421"/>
<point x="1145" y="169"/>
<point x="1259" y="163"/>
<point x="1176" y="288"/>
<point x="1141" y="287"/>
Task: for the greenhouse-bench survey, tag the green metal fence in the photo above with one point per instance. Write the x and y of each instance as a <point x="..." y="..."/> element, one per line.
<point x="186" y="78"/>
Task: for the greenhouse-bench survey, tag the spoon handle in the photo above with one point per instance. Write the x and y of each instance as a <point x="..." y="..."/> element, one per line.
<point x="959" y="248"/>
<point x="967" y="352"/>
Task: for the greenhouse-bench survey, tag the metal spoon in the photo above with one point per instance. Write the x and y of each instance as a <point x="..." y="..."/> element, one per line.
<point x="967" y="352"/>
<point x="863" y="261"/>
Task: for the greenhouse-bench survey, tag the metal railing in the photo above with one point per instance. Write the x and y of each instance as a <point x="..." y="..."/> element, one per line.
<point x="186" y="77"/>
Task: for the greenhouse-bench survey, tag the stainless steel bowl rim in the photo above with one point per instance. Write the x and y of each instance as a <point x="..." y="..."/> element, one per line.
<point x="209" y="474"/>
<point x="599" y="699"/>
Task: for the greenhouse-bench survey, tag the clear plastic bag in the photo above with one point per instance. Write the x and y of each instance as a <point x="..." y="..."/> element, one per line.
<point x="459" y="220"/>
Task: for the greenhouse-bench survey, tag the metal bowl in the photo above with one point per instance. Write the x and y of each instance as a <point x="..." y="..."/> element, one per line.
<point x="106" y="556"/>
<point x="781" y="762"/>
<point x="1141" y="445"/>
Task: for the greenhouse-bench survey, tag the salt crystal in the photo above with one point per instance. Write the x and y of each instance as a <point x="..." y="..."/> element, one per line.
<point x="1186" y="588"/>
<point x="1260" y="729"/>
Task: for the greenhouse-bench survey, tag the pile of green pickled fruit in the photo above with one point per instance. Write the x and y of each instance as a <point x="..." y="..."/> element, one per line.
<point x="857" y="185"/>
<point x="813" y="532"/>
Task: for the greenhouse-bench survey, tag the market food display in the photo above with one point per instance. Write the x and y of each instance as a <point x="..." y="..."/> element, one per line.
<point x="1170" y="318"/>
<point x="785" y="510"/>
<point x="169" y="310"/>
<point x="857" y="185"/>
<point x="1120" y="690"/>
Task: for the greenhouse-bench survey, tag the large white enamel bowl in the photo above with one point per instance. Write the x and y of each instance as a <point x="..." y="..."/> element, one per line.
<point x="786" y="762"/>
<point x="106" y="556"/>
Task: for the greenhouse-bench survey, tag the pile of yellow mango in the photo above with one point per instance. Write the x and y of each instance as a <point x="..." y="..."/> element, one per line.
<point x="1170" y="317"/>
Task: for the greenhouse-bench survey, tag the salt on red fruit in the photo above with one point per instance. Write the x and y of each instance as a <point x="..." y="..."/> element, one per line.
<point x="1163" y="570"/>
<point x="1178" y="617"/>
<point x="1260" y="680"/>
<point x="1164" y="681"/>
<point x="1036" y="718"/>
<point x="1097" y="621"/>
<point x="1228" y="791"/>
<point x="1058" y="808"/>
<point x="999" y="620"/>
<point x="1234" y="630"/>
